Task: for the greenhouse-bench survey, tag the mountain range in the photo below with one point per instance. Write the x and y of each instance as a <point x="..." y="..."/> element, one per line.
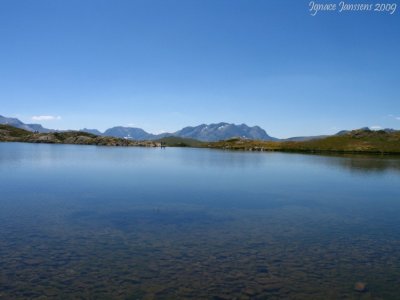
<point x="203" y="132"/>
<point x="18" y="124"/>
<point x="356" y="141"/>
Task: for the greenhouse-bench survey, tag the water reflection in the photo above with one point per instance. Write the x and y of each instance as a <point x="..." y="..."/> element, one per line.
<point x="366" y="163"/>
<point x="42" y="154"/>
<point x="134" y="223"/>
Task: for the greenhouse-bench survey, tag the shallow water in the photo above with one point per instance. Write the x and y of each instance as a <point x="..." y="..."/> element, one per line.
<point x="85" y="222"/>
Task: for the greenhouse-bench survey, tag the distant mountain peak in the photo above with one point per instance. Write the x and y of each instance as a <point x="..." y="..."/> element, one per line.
<point x="223" y="131"/>
<point x="129" y="133"/>
<point x="92" y="131"/>
<point x="18" y="124"/>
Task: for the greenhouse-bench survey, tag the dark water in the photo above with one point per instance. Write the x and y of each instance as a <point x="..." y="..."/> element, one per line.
<point x="83" y="222"/>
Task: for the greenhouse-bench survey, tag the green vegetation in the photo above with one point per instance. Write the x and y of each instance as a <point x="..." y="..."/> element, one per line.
<point x="174" y="141"/>
<point x="9" y="133"/>
<point x="356" y="141"/>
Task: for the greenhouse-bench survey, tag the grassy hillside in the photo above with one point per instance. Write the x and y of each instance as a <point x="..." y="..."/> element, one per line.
<point x="12" y="134"/>
<point x="9" y="133"/>
<point x="173" y="141"/>
<point x="356" y="141"/>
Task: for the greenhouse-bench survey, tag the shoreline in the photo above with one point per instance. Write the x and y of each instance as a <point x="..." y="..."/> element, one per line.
<point x="146" y="144"/>
<point x="354" y="142"/>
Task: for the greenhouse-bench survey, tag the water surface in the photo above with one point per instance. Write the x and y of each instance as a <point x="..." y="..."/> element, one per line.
<point x="85" y="222"/>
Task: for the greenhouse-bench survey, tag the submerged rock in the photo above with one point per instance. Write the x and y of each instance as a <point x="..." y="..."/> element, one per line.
<point x="360" y="286"/>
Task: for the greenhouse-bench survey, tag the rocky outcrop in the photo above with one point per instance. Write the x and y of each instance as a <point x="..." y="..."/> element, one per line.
<point x="13" y="134"/>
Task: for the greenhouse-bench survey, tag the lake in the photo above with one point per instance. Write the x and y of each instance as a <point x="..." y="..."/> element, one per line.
<point x="86" y="222"/>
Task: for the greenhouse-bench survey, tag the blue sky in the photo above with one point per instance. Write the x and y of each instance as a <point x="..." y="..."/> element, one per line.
<point x="162" y="65"/>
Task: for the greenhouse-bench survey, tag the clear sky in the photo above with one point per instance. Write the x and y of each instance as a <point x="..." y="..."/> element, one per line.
<point x="162" y="65"/>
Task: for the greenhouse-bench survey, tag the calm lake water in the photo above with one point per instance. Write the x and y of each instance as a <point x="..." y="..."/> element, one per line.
<point x="85" y="222"/>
